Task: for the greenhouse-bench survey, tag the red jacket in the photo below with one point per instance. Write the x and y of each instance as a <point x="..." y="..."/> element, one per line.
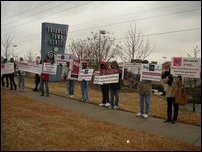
<point x="44" y="76"/>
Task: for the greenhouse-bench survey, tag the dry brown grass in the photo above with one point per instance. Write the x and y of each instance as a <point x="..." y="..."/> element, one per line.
<point x="30" y="125"/>
<point x="129" y="101"/>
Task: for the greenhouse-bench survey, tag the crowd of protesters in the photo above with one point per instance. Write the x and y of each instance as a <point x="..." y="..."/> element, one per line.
<point x="110" y="92"/>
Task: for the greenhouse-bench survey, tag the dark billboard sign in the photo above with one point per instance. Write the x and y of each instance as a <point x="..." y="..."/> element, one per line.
<point x="53" y="42"/>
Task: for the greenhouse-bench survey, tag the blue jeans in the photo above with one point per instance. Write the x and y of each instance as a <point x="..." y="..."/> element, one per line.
<point x="116" y="94"/>
<point x="84" y="90"/>
<point x="70" y="87"/>
<point x="144" y="99"/>
<point x="21" y="81"/>
<point x="42" y="87"/>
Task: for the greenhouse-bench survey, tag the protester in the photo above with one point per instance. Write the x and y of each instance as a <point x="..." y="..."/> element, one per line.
<point x="37" y="77"/>
<point x="115" y="87"/>
<point x="45" y="80"/>
<point x="21" y="78"/>
<point x="144" y="89"/>
<point x="170" y="97"/>
<point x="84" y="85"/>
<point x="69" y="82"/>
<point x="5" y="75"/>
<point x="11" y="76"/>
<point x="104" y="87"/>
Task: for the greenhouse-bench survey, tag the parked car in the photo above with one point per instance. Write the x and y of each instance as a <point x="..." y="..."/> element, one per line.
<point x="157" y="92"/>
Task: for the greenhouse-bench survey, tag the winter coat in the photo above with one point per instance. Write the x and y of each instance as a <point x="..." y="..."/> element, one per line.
<point x="103" y="68"/>
<point x="145" y="87"/>
<point x="116" y="86"/>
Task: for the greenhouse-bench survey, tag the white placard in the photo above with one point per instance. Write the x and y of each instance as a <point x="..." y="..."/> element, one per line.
<point x="106" y="79"/>
<point x="151" y="72"/>
<point x="30" y="67"/>
<point x="85" y="74"/>
<point x="49" y="68"/>
<point x="186" y="67"/>
<point x="7" y="68"/>
<point x="63" y="58"/>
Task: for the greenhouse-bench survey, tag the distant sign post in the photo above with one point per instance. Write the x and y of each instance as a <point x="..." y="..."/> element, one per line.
<point x="53" y="42"/>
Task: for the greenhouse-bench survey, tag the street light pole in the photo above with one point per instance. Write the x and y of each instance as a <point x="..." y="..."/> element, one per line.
<point x="100" y="32"/>
<point x="14" y="46"/>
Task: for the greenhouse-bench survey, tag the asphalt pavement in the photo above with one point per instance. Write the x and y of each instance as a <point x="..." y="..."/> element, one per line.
<point x="180" y="131"/>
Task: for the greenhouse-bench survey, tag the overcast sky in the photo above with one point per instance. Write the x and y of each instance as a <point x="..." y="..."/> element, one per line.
<point x="174" y="27"/>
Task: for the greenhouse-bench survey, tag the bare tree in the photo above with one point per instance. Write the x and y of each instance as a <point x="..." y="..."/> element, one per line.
<point x="30" y="56"/>
<point x="95" y="48"/>
<point x="136" y="46"/>
<point x="7" y="45"/>
<point x="194" y="53"/>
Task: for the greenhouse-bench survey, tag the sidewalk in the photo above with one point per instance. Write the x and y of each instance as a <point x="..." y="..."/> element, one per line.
<point x="184" y="132"/>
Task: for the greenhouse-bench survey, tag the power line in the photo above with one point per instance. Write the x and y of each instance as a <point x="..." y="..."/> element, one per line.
<point x="153" y="34"/>
<point x="162" y="33"/>
<point x="51" y="14"/>
<point x="25" y="11"/>
<point x="36" y="14"/>
<point x="168" y="6"/>
<point x="130" y="21"/>
<point x="127" y="21"/>
<point x="137" y="19"/>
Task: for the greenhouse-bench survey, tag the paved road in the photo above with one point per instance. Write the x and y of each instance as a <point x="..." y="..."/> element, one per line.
<point x="184" y="132"/>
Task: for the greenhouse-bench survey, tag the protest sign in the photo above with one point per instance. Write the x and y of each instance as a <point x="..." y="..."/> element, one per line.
<point x="7" y="68"/>
<point x="109" y="76"/>
<point x="63" y="58"/>
<point x="85" y="74"/>
<point x="74" y="68"/>
<point x="186" y="67"/>
<point x="151" y="72"/>
<point x="49" y="68"/>
<point x="131" y="72"/>
<point x="30" y="67"/>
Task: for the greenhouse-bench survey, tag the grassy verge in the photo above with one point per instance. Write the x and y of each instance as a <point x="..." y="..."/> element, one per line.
<point x="30" y="125"/>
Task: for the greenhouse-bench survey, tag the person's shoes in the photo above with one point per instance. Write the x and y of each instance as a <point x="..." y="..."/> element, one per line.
<point x="107" y="104"/>
<point x="173" y="121"/>
<point x="145" y="115"/>
<point x="167" y="120"/>
<point x="35" y="89"/>
<point x="115" y="107"/>
<point x="138" y="114"/>
<point x="71" y="96"/>
<point x="110" y="107"/>
<point x="42" y="94"/>
<point x="101" y="104"/>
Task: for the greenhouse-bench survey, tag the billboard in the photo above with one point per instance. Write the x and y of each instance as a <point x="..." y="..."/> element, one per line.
<point x="53" y="42"/>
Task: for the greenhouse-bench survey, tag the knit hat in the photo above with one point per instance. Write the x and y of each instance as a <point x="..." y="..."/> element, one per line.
<point x="45" y="60"/>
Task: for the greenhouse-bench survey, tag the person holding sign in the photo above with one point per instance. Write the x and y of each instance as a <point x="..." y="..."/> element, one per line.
<point x="37" y="77"/>
<point x="11" y="75"/>
<point x="44" y="80"/>
<point x="5" y="76"/>
<point x="104" y="87"/>
<point x="84" y="85"/>
<point x="145" y="89"/>
<point x="21" y="78"/>
<point x="170" y="96"/>
<point x="69" y="83"/>
<point x="115" y="87"/>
